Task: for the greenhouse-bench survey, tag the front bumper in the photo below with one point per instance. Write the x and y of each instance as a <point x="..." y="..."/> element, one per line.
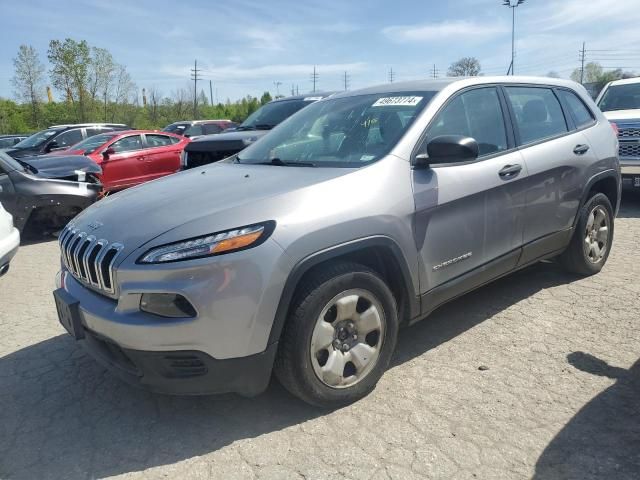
<point x="182" y="372"/>
<point x="8" y="249"/>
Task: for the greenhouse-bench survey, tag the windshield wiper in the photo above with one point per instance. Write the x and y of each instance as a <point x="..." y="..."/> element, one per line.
<point x="264" y="126"/>
<point x="280" y="163"/>
<point x="242" y="128"/>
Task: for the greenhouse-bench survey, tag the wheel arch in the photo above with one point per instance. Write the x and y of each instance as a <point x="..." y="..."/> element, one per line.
<point x="608" y="183"/>
<point x="380" y="253"/>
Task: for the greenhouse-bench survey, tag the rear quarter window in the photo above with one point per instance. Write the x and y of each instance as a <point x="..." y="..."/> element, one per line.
<point x="581" y="114"/>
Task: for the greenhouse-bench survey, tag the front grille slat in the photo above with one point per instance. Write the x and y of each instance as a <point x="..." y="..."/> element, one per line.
<point x="89" y="260"/>
<point x="628" y="149"/>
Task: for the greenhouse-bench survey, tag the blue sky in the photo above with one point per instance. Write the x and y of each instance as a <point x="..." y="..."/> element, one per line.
<point x="244" y="46"/>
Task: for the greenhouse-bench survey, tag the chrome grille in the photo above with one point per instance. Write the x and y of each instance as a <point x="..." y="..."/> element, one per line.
<point x="628" y="149"/>
<point x="90" y="260"/>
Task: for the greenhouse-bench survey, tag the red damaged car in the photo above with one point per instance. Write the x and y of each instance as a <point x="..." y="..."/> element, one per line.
<point x="131" y="157"/>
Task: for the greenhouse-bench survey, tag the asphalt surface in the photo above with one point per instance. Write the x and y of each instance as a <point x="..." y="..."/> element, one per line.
<point x="536" y="375"/>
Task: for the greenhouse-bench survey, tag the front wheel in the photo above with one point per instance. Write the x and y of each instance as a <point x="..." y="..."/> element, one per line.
<point x="592" y="240"/>
<point x="339" y="337"/>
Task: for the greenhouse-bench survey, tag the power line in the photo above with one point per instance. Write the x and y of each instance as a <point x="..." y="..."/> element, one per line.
<point x="195" y="76"/>
<point x="314" y="78"/>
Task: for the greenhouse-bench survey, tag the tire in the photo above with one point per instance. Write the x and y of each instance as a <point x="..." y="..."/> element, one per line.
<point x="323" y="306"/>
<point x="579" y="257"/>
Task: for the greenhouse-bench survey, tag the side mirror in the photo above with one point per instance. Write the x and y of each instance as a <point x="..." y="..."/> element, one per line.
<point x="53" y="145"/>
<point x="109" y="151"/>
<point x="448" y="149"/>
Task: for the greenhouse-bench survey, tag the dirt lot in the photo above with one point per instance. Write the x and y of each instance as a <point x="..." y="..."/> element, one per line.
<point x="559" y="397"/>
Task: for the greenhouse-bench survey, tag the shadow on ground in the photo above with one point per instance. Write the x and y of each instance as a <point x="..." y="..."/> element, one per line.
<point x="63" y="416"/>
<point x="603" y="440"/>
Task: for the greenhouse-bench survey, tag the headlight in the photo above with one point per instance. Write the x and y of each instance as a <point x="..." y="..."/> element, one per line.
<point x="210" y="245"/>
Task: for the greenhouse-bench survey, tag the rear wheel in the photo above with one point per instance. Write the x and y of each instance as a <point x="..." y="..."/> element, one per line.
<point x="591" y="243"/>
<point x="339" y="337"/>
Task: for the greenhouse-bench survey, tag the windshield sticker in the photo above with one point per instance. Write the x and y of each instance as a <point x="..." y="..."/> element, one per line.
<point x="312" y="99"/>
<point x="397" y="101"/>
<point x="366" y="158"/>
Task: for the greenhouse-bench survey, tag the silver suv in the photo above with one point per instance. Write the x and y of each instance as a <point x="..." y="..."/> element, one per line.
<point x="361" y="213"/>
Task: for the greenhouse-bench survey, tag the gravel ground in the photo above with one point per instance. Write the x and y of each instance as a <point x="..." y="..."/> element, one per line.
<point x="536" y="375"/>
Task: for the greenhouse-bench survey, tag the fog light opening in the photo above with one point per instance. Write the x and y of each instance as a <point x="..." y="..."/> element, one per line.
<point x="168" y="305"/>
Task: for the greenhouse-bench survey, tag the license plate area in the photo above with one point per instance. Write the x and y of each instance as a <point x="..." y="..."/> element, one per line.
<point x="636" y="181"/>
<point x="69" y="313"/>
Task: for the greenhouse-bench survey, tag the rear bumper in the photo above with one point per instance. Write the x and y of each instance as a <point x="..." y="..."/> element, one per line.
<point x="182" y="372"/>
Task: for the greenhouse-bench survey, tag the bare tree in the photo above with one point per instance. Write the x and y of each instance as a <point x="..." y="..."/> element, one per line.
<point x="154" y="99"/>
<point x="124" y="89"/>
<point x="465" y="67"/>
<point x="181" y="101"/>
<point x="28" y="79"/>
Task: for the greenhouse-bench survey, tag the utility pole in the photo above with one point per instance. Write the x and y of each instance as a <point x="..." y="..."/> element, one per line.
<point x="392" y="75"/>
<point x="434" y="72"/>
<point x="513" y="4"/>
<point x="293" y="90"/>
<point x="582" y="57"/>
<point x="346" y="81"/>
<point x="211" y="91"/>
<point x="297" y="89"/>
<point x="195" y="76"/>
<point x="314" y="78"/>
<point x="105" y="105"/>
<point x="277" y="84"/>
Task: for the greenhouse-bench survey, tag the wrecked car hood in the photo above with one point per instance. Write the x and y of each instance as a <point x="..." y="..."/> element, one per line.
<point x="57" y="166"/>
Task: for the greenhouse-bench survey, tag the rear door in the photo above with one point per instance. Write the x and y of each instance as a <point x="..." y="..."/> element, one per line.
<point x="470" y="214"/>
<point x="126" y="166"/>
<point x="162" y="154"/>
<point x="556" y="154"/>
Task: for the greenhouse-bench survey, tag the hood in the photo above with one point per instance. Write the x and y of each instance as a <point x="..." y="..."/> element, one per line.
<point x="196" y="202"/>
<point x="613" y="115"/>
<point x="225" y="141"/>
<point x="21" y="152"/>
<point x="65" y="153"/>
<point x="58" y="166"/>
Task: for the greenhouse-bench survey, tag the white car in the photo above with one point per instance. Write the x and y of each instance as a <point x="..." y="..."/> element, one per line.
<point x="9" y="240"/>
<point x="620" y="103"/>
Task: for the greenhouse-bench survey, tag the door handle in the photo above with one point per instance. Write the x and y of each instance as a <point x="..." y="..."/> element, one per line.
<point x="581" y="149"/>
<point x="510" y="171"/>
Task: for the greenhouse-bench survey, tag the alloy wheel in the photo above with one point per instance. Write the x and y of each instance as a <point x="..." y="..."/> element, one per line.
<point x="597" y="234"/>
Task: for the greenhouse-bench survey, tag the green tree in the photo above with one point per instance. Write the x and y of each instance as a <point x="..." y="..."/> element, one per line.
<point x="592" y="73"/>
<point x="70" y="72"/>
<point x="465" y="67"/>
<point x="28" y="80"/>
<point x="265" y="98"/>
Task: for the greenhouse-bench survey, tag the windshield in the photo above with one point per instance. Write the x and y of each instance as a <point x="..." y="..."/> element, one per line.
<point x="37" y="139"/>
<point x="91" y="144"/>
<point x="341" y="132"/>
<point x="621" y="97"/>
<point x="271" y="114"/>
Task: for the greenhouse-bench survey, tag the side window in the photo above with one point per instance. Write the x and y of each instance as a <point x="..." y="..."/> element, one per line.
<point x="157" y="140"/>
<point x="127" y="144"/>
<point x="68" y="138"/>
<point x="477" y="114"/>
<point x="210" y="128"/>
<point x="194" y="130"/>
<point x="582" y="116"/>
<point x="174" y="140"/>
<point x="538" y="113"/>
<point x="94" y="131"/>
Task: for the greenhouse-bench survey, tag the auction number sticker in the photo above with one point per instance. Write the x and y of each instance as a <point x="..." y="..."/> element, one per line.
<point x="409" y="101"/>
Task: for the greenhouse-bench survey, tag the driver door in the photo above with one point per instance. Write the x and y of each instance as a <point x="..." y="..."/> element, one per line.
<point x="468" y="222"/>
<point x="126" y="166"/>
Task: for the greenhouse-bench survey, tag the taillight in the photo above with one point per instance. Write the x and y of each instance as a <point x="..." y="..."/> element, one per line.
<point x="615" y="128"/>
